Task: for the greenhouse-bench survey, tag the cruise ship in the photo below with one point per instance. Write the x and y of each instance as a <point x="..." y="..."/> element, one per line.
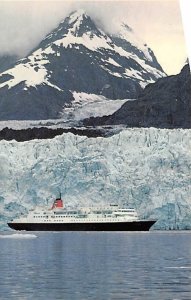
<point x="58" y="218"/>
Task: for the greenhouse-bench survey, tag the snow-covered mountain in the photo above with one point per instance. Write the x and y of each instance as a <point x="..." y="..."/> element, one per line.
<point x="76" y="58"/>
<point x="147" y="168"/>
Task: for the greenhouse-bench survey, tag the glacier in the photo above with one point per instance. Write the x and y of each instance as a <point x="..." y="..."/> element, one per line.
<point x="87" y="105"/>
<point x="148" y="169"/>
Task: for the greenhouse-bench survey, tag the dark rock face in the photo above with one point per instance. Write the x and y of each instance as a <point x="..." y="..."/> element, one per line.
<point x="76" y="57"/>
<point x="46" y="133"/>
<point x="81" y="74"/>
<point x="33" y="104"/>
<point x="7" y="61"/>
<point x="164" y="104"/>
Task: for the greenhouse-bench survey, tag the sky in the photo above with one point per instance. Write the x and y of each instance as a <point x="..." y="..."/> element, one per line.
<point x="23" y="24"/>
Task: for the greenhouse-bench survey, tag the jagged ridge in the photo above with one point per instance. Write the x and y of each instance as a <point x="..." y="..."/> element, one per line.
<point x="163" y="104"/>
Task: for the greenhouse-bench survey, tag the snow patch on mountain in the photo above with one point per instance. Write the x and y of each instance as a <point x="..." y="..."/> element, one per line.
<point x="32" y="72"/>
<point x="133" y="73"/>
<point x="91" y="42"/>
<point x="25" y="73"/>
<point x="113" y="62"/>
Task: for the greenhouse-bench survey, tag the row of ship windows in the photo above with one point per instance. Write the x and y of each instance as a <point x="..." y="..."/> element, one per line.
<point x="44" y="217"/>
<point x="55" y="217"/>
<point x="76" y="221"/>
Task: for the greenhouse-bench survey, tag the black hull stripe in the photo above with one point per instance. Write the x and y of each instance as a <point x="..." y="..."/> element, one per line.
<point x="119" y="226"/>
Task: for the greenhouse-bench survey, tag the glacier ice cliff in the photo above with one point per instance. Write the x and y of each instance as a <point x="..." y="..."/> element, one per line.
<point x="149" y="169"/>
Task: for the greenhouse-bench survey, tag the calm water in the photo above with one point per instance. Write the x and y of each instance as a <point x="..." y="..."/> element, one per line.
<point x="79" y="265"/>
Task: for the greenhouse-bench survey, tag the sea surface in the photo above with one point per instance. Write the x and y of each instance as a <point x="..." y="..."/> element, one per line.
<point x="98" y="265"/>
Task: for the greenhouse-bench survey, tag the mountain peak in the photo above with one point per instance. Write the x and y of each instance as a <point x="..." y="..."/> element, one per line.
<point x="77" y="19"/>
<point x="76" y="15"/>
<point x="76" y="24"/>
<point x="79" y="23"/>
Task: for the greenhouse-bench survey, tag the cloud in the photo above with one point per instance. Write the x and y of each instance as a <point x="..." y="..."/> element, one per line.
<point x="24" y="24"/>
